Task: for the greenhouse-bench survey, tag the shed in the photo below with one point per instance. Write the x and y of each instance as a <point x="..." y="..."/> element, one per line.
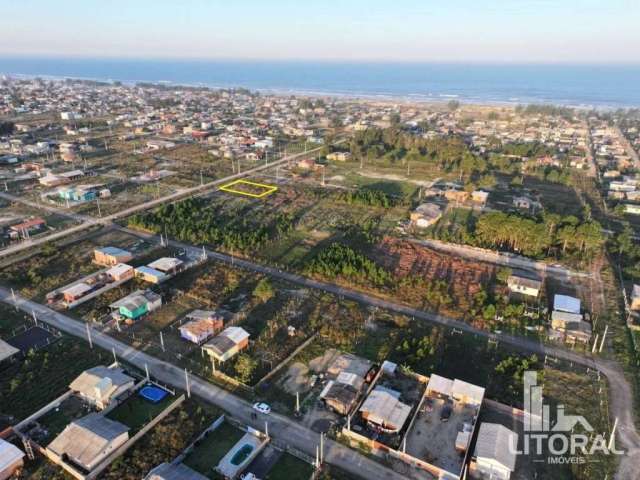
<point x="73" y="293"/>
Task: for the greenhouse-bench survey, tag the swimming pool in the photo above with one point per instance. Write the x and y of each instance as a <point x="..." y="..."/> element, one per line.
<point x="152" y="393"/>
<point x="242" y="454"/>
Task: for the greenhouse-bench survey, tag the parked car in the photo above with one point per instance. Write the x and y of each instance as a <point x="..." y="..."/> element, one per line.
<point x="262" y="408"/>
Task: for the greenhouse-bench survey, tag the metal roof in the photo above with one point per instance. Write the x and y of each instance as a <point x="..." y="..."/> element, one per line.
<point x="84" y="440"/>
<point x="167" y="471"/>
<point x="100" y="380"/>
<point x="165" y="264"/>
<point x="384" y="408"/>
<point x="497" y="443"/>
<point x="566" y="303"/>
<point x="9" y="454"/>
<point x="6" y="350"/>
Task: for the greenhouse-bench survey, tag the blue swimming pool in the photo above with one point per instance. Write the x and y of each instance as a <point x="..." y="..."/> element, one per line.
<point x="152" y="393"/>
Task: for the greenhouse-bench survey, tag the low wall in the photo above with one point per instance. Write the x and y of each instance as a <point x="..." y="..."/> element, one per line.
<point x="278" y="367"/>
<point x="378" y="448"/>
<point x="122" y="449"/>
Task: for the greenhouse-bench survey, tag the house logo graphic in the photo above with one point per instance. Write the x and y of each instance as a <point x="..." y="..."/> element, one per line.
<point x="562" y="437"/>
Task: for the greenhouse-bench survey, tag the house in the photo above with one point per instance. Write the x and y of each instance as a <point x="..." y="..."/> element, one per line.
<point x="11" y="459"/>
<point x="200" y="326"/>
<point x="120" y="272"/>
<point x="159" y="144"/>
<point x="426" y="215"/>
<point x="339" y="156"/>
<point x="341" y="395"/>
<point x="76" y="292"/>
<point x="565" y="303"/>
<point x="166" y="265"/>
<point x="525" y="285"/>
<point x="7" y="351"/>
<point x="227" y="343"/>
<point x="383" y="410"/>
<point x="494" y="457"/>
<point x="457" y="196"/>
<point x="101" y="385"/>
<point x="632" y="209"/>
<point x="149" y="274"/>
<point x="635" y="298"/>
<point x="26" y="228"/>
<point x="307" y="164"/>
<point x="109" y="256"/>
<point x="88" y="441"/>
<point x="168" y="471"/>
<point x="137" y="304"/>
<point x="479" y="197"/>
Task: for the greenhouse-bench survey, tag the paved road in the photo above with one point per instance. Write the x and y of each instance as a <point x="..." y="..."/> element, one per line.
<point x="280" y="427"/>
<point x="621" y="394"/>
<point x="106" y="220"/>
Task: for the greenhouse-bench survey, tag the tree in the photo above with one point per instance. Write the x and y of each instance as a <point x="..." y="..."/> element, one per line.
<point x="453" y="105"/>
<point x="244" y="367"/>
<point x="264" y="291"/>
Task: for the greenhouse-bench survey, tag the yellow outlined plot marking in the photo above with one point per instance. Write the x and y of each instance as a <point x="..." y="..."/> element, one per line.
<point x="267" y="189"/>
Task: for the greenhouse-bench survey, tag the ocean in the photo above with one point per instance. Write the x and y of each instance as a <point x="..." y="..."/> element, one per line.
<point x="599" y="86"/>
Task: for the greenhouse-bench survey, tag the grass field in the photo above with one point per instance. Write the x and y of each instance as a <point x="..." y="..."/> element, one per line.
<point x="212" y="448"/>
<point x="289" y="467"/>
<point x="136" y="411"/>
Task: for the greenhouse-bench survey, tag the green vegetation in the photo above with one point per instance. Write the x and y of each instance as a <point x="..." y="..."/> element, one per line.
<point x="163" y="443"/>
<point x="539" y="236"/>
<point x="339" y="260"/>
<point x="136" y="411"/>
<point x="368" y="196"/>
<point x="209" y="451"/>
<point x="289" y="467"/>
<point x="196" y="222"/>
<point x="28" y="385"/>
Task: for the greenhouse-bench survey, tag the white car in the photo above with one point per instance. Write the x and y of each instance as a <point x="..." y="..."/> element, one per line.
<point x="262" y="408"/>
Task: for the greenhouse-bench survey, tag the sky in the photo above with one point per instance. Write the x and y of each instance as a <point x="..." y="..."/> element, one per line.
<point x="510" y="31"/>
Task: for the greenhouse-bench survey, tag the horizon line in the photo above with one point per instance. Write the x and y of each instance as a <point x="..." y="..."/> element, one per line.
<point x="354" y="61"/>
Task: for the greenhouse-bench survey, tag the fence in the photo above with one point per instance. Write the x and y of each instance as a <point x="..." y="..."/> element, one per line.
<point x="278" y="367"/>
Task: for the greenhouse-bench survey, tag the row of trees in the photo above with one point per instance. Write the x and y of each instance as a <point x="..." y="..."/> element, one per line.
<point x="536" y="237"/>
<point x="367" y="196"/>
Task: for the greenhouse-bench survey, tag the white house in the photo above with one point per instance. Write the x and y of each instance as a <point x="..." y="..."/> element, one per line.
<point x="11" y="459"/>
<point x="494" y="457"/>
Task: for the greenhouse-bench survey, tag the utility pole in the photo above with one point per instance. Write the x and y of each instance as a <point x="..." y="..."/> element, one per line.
<point x="595" y="343"/>
<point x="186" y="377"/>
<point x="297" y="402"/>
<point x="89" y="336"/>
<point x="162" y="342"/>
<point x="604" y="336"/>
<point x="115" y="358"/>
<point x="99" y="212"/>
<point x="612" y="437"/>
<point x="146" y="369"/>
<point x="266" y="428"/>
